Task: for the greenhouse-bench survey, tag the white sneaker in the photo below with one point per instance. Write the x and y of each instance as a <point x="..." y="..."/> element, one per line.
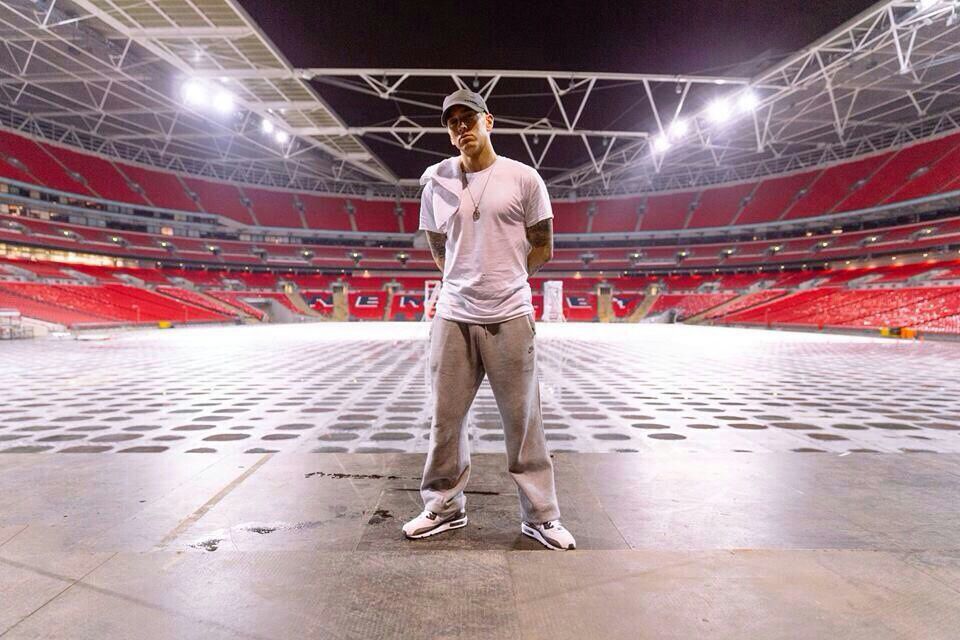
<point x="551" y="534"/>
<point x="429" y="524"/>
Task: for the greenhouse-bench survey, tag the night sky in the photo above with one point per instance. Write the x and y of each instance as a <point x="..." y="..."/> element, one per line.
<point x="681" y="36"/>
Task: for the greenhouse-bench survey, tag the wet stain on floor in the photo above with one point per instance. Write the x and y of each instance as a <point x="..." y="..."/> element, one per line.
<point x="355" y="476"/>
<point x="380" y="516"/>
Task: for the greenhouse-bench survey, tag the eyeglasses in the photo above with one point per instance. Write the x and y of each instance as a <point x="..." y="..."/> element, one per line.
<point x="468" y="120"/>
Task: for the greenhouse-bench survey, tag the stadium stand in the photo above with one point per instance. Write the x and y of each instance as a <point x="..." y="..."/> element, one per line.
<point x="198" y="300"/>
<point x="220" y="198"/>
<point x="859" y="297"/>
<point x="570" y="217"/>
<point x="273" y="208"/>
<point x="160" y="188"/>
<point x="40" y="167"/>
<point x="665" y="212"/>
<point x="616" y="215"/>
<point x="235" y="299"/>
<point x="832" y="186"/>
<point x="322" y="212"/>
<point x="718" y="207"/>
<point x="687" y="305"/>
<point x="376" y="215"/>
<point x="108" y="303"/>
<point x="772" y="197"/>
<point x="100" y="176"/>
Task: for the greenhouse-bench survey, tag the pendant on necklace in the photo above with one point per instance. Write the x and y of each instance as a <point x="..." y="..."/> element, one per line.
<point x="476" y="214"/>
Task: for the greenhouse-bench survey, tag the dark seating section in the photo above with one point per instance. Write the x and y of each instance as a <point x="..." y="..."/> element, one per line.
<point x="914" y="171"/>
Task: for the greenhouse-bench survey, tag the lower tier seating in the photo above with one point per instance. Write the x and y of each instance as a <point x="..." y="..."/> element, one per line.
<point x="72" y="305"/>
<point x="689" y="304"/>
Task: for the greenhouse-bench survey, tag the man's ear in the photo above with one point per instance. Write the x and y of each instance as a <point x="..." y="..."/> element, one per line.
<point x="488" y="120"/>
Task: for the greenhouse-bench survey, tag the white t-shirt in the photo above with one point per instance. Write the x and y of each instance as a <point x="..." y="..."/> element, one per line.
<point x="485" y="268"/>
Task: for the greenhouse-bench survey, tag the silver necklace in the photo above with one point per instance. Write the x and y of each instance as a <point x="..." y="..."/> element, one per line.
<point x="476" y="203"/>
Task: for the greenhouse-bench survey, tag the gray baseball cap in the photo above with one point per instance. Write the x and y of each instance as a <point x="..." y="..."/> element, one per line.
<point x="465" y="97"/>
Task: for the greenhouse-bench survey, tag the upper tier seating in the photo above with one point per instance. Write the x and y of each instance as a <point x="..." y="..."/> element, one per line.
<point x="321" y="212"/>
<point x="833" y="185"/>
<point x="101" y="177"/>
<point x="896" y="172"/>
<point x="772" y="197"/>
<point x="914" y="171"/>
<point x="273" y="208"/>
<point x="570" y="217"/>
<point x="220" y="198"/>
<point x="376" y="215"/>
<point x="719" y="206"/>
<point x="929" y="180"/>
<point x="42" y="168"/>
<point x="666" y="211"/>
<point x="616" y="215"/>
<point x="162" y="189"/>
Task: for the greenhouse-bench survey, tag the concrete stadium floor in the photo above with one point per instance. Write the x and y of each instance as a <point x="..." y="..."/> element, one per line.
<point x="728" y="532"/>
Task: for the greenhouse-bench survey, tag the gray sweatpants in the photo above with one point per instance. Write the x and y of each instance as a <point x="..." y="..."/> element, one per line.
<point x="460" y="355"/>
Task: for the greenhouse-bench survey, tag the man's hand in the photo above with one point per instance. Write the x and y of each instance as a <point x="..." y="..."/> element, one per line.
<point x="438" y="247"/>
<point x="540" y="237"/>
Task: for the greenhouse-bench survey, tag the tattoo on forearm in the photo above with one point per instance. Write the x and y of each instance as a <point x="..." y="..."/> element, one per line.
<point x="540" y="237"/>
<point x="541" y="234"/>
<point x="438" y="245"/>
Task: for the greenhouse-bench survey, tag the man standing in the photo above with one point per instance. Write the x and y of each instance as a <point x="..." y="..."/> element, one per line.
<point x="489" y="223"/>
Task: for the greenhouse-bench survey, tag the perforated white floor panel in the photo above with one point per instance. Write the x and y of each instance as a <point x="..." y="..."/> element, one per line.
<point x="361" y="387"/>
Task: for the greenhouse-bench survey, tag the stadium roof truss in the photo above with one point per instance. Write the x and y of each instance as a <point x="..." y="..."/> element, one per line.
<point x="107" y="75"/>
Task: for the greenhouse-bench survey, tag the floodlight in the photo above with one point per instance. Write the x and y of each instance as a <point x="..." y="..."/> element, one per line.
<point x="677" y="128"/>
<point x="194" y="93"/>
<point x="266" y="126"/>
<point x="660" y="143"/>
<point x="719" y="110"/>
<point x="923" y="5"/>
<point x="223" y="101"/>
<point x="748" y="101"/>
<point x="281" y="137"/>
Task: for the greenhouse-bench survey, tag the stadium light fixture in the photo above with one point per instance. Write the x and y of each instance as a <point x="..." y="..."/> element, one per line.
<point x="677" y="129"/>
<point x="923" y="5"/>
<point x="194" y="93"/>
<point x="282" y="137"/>
<point x="748" y="101"/>
<point x="223" y="101"/>
<point x="266" y="126"/>
<point x="661" y="143"/>
<point x="719" y="110"/>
